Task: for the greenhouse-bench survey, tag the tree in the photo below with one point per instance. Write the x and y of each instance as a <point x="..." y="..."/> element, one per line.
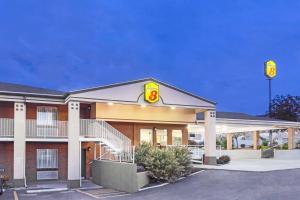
<point x="236" y="137"/>
<point x="285" y="108"/>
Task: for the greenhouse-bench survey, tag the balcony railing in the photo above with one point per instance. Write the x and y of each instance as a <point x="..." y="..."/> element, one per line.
<point x="6" y="127"/>
<point x="55" y="129"/>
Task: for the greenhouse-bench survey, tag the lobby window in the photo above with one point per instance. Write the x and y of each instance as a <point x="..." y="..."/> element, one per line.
<point x="146" y="135"/>
<point x="46" y="116"/>
<point x="177" y="137"/>
<point x="161" y="137"/>
<point x="47" y="158"/>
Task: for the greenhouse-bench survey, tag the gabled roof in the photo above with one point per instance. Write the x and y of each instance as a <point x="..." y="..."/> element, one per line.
<point x="139" y="81"/>
<point x="237" y="115"/>
<point x="17" y="89"/>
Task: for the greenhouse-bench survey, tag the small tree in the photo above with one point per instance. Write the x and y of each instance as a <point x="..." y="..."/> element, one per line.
<point x="236" y="137"/>
<point x="286" y="108"/>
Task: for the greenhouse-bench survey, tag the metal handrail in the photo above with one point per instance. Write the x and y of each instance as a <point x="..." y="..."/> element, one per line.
<point x="114" y="139"/>
<point x="58" y="129"/>
<point x="6" y="127"/>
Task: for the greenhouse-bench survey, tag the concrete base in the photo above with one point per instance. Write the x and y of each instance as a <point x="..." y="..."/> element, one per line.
<point x="73" y="184"/>
<point x="210" y="160"/>
<point x="19" y="182"/>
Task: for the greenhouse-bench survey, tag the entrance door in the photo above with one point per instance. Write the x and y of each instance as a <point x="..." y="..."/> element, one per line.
<point x="83" y="163"/>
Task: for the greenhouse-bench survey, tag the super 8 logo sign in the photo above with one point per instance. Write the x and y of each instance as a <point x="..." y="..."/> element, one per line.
<point x="151" y="92"/>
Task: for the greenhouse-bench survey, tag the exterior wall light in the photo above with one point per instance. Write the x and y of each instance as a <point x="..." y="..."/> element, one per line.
<point x="173" y="107"/>
<point x="110" y="103"/>
<point x="143" y="106"/>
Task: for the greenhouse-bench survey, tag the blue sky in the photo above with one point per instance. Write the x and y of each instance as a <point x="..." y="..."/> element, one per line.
<point x="215" y="49"/>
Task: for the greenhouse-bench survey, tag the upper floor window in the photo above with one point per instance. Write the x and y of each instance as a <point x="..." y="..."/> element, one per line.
<point x="46" y="116"/>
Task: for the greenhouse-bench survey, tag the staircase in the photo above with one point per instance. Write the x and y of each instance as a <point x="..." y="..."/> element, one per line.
<point x="113" y="144"/>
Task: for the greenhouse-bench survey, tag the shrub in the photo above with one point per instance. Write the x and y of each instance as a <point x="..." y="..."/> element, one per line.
<point x="265" y="143"/>
<point x="183" y="157"/>
<point x="243" y="145"/>
<point x="142" y="153"/>
<point x="223" y="160"/>
<point x="285" y="146"/>
<point x="163" y="165"/>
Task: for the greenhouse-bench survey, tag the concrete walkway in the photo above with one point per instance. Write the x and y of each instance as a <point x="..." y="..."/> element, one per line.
<point x="256" y="165"/>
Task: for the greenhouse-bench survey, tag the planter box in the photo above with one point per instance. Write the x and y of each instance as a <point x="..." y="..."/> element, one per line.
<point x="118" y="176"/>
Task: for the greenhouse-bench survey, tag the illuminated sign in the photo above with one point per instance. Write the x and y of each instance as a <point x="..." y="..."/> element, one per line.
<point x="270" y="69"/>
<point x="151" y="92"/>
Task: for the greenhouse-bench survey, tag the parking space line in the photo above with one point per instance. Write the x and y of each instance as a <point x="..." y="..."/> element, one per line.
<point x="16" y="196"/>
<point x="88" y="194"/>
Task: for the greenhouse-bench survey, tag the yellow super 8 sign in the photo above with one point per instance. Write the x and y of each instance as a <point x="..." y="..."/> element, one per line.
<point x="151" y="92"/>
<point x="270" y="69"/>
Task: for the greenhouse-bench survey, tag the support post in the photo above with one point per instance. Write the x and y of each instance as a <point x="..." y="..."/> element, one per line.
<point x="255" y="140"/>
<point x="291" y="136"/>
<point x="229" y="141"/>
<point x="19" y="144"/>
<point x="210" y="137"/>
<point x="74" y="150"/>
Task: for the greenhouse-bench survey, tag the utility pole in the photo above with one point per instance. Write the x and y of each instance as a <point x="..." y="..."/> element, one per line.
<point x="270" y="73"/>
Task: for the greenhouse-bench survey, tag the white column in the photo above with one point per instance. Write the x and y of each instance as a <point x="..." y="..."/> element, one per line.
<point x="74" y="144"/>
<point x="210" y="137"/>
<point x="255" y="140"/>
<point x="19" y="143"/>
<point x="229" y="141"/>
<point x="291" y="136"/>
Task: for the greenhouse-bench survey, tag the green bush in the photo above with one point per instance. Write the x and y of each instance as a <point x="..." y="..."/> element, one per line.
<point x="163" y="165"/>
<point x="183" y="157"/>
<point x="223" y="160"/>
<point x="265" y="143"/>
<point x="142" y="152"/>
<point x="285" y="146"/>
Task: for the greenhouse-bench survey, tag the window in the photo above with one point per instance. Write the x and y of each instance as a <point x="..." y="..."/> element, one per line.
<point x="146" y="135"/>
<point x="47" y="158"/>
<point x="177" y="137"/>
<point x="161" y="137"/>
<point x="46" y="116"/>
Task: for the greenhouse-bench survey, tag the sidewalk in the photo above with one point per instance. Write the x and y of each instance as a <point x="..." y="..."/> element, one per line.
<point x="255" y="165"/>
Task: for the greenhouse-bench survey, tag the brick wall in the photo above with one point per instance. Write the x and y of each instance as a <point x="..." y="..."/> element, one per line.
<point x="7" y="110"/>
<point x="7" y="157"/>
<point x="31" y="148"/>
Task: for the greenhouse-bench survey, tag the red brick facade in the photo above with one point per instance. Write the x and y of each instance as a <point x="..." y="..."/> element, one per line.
<point x="31" y="148"/>
<point x="7" y="157"/>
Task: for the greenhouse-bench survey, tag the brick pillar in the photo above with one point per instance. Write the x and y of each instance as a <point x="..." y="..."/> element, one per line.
<point x="229" y="141"/>
<point x="255" y="140"/>
<point x="19" y="144"/>
<point x="210" y="137"/>
<point x="291" y="136"/>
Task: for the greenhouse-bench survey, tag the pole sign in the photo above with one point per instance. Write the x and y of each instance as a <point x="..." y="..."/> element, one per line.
<point x="270" y="69"/>
<point x="151" y="92"/>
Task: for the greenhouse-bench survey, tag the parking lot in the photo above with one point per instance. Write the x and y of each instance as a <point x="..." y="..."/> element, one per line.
<point x="207" y="185"/>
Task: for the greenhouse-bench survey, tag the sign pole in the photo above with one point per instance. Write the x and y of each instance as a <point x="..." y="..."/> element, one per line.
<point x="270" y="107"/>
<point x="270" y="73"/>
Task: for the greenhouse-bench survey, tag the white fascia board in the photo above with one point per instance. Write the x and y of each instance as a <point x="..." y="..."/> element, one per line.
<point x="6" y="139"/>
<point x="46" y="140"/>
<point x="70" y="98"/>
<point x="31" y="99"/>
<point x="277" y="124"/>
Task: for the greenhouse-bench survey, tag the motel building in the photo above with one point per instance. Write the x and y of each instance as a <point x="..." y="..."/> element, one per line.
<point x="51" y="135"/>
